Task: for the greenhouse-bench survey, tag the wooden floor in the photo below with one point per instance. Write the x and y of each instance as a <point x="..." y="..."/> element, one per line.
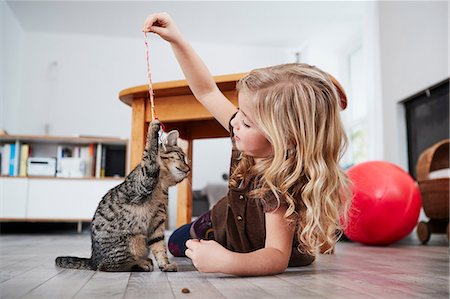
<point x="406" y="270"/>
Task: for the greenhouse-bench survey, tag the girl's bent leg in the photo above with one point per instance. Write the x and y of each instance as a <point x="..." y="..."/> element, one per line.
<point x="202" y="227"/>
<point x="177" y="241"/>
<point x="199" y="229"/>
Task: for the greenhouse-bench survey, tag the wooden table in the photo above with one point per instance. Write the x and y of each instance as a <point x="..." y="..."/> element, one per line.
<point x="176" y="108"/>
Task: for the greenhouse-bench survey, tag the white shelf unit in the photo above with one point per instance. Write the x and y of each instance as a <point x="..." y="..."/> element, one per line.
<point x="51" y="198"/>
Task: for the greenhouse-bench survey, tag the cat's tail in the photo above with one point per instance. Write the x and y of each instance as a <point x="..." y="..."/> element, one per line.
<point x="73" y="262"/>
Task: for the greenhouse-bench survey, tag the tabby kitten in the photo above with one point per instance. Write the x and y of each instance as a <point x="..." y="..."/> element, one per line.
<point x="130" y="219"/>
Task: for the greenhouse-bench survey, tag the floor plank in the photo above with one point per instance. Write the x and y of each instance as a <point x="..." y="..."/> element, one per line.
<point x="320" y="287"/>
<point x="403" y="270"/>
<point x="153" y="285"/>
<point x="279" y="287"/>
<point x="20" y="285"/>
<point x="235" y="287"/>
<point x="20" y="266"/>
<point x="104" y="285"/>
<point x="64" y="285"/>
<point x="189" y="278"/>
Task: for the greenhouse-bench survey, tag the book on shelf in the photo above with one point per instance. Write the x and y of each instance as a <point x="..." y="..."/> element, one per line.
<point x="6" y="154"/>
<point x="98" y="161"/>
<point x="12" y="159"/>
<point x="24" y="154"/>
<point x="103" y="163"/>
<point x="92" y="160"/>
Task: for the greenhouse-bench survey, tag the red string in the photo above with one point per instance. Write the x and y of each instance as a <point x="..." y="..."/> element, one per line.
<point x="150" y="87"/>
<point x="149" y="76"/>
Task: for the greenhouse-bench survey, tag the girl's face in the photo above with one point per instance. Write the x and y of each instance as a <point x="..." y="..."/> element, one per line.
<point x="247" y="137"/>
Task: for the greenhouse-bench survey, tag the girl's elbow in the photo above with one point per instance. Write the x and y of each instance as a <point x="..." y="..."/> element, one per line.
<point x="278" y="260"/>
<point x="279" y="269"/>
<point x="284" y="266"/>
<point x="281" y="265"/>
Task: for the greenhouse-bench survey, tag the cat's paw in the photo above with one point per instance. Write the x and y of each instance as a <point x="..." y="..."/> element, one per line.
<point x="155" y="127"/>
<point x="144" y="265"/>
<point x="155" y="124"/>
<point x="170" y="267"/>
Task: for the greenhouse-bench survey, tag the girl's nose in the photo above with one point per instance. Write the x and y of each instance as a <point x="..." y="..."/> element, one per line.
<point x="234" y="123"/>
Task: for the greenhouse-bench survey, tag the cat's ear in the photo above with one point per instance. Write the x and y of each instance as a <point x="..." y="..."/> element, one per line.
<point x="171" y="138"/>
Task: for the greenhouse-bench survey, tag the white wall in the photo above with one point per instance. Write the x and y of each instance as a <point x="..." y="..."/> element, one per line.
<point x="371" y="53"/>
<point x="2" y="61"/>
<point x="413" y="55"/>
<point x="12" y="49"/>
<point x="71" y="82"/>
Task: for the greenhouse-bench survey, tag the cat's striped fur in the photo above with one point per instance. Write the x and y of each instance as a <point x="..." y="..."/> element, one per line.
<point x="130" y="219"/>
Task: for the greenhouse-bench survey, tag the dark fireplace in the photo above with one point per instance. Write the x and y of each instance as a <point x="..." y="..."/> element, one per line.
<point x="427" y="120"/>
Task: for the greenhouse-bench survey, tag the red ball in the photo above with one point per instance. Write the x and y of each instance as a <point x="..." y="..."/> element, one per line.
<point x="385" y="206"/>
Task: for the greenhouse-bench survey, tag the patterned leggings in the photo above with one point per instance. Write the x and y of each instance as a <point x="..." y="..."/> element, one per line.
<point x="201" y="228"/>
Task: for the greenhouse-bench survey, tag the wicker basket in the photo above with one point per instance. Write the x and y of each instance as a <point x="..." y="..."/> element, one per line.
<point x="435" y="192"/>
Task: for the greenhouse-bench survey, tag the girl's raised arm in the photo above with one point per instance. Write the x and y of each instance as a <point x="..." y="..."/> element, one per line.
<point x="197" y="74"/>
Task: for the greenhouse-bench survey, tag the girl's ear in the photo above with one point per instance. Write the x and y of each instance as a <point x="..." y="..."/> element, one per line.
<point x="171" y="138"/>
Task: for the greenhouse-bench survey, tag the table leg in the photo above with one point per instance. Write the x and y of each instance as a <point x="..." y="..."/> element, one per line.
<point x="138" y="132"/>
<point x="184" y="201"/>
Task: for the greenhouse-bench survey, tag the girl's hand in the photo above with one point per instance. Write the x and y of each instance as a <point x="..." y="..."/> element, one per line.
<point x="163" y="25"/>
<point x="207" y="255"/>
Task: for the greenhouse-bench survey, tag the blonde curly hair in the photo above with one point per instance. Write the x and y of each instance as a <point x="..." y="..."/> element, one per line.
<point x="296" y="107"/>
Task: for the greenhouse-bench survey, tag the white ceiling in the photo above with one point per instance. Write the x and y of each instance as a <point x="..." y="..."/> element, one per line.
<point x="277" y="23"/>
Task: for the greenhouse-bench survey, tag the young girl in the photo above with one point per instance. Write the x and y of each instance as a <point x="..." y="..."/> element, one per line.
<point x="287" y="194"/>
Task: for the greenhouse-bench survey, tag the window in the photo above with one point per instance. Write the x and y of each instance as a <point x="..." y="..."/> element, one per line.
<point x="355" y="117"/>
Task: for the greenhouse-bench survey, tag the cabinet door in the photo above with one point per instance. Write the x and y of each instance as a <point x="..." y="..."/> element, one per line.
<point x="13" y="197"/>
<point x="66" y="199"/>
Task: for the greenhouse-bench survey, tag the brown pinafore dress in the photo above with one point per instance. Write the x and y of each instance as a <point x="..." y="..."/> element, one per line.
<point x="239" y="222"/>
